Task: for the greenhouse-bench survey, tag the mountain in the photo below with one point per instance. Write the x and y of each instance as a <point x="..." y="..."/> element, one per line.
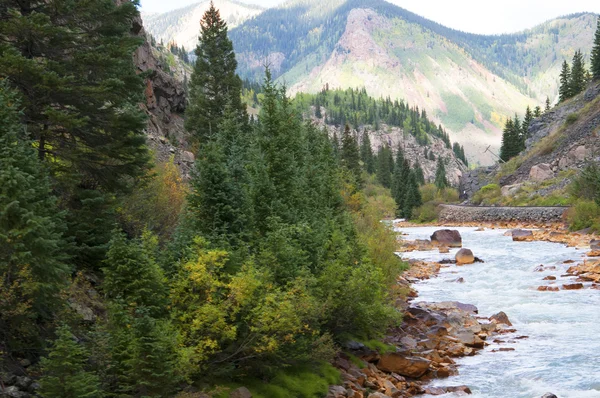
<point x="468" y="83"/>
<point x="182" y="25"/>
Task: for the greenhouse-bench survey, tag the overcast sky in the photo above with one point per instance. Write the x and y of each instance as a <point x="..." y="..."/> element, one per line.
<point x="475" y="16"/>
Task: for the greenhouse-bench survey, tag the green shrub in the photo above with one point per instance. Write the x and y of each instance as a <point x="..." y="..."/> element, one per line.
<point x="585" y="214"/>
<point x="572" y="118"/>
<point x="489" y="194"/>
<point x="429" y="212"/>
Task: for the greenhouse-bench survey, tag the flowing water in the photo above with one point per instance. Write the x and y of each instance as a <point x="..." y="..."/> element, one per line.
<point x="562" y="353"/>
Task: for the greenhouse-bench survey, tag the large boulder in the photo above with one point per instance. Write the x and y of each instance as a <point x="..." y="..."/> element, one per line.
<point x="464" y="256"/>
<point x="413" y="367"/>
<point x="595" y="244"/>
<point x="447" y="238"/>
<point x="520" y="235"/>
<point x="511" y="190"/>
<point x="501" y="318"/>
<point x="541" y="172"/>
<point x="549" y="395"/>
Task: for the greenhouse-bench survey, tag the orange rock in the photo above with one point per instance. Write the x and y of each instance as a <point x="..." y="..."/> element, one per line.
<point x="573" y="286"/>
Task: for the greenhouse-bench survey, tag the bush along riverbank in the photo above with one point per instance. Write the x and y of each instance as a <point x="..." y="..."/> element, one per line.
<point x="423" y="347"/>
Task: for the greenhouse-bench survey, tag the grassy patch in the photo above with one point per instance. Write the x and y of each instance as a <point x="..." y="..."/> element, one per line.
<point x="357" y="361"/>
<point x="488" y="195"/>
<point x="432" y="198"/>
<point x="459" y="112"/>
<point x="584" y="214"/>
<point x="297" y="381"/>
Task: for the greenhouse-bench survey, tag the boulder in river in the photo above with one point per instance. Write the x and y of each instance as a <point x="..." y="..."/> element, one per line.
<point x="501" y="318"/>
<point x="446" y="237"/>
<point x="413" y="367"/>
<point x="573" y="286"/>
<point x="521" y="235"/>
<point x="595" y="244"/>
<point x="464" y="256"/>
<point x="549" y="395"/>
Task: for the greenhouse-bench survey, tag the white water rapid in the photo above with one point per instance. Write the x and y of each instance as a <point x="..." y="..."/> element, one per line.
<point x="562" y="353"/>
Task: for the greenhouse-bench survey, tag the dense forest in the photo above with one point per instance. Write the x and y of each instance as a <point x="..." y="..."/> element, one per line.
<point x="119" y="279"/>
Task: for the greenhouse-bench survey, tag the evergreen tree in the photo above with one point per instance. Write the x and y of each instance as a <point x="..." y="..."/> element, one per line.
<point x="412" y="198"/>
<point x="214" y="82"/>
<point x="366" y="153"/>
<point x="578" y="75"/>
<point x="547" y="108"/>
<point x="335" y="144"/>
<point x="64" y="370"/>
<point x="564" y="91"/>
<point x="595" y="68"/>
<point x="33" y="268"/>
<point x="132" y="277"/>
<point x="384" y="172"/>
<point x="419" y="175"/>
<point x="81" y="107"/>
<point x="537" y="112"/>
<point x="507" y="148"/>
<point x="441" y="180"/>
<point x="400" y="183"/>
<point x="526" y="122"/>
<point x="350" y="157"/>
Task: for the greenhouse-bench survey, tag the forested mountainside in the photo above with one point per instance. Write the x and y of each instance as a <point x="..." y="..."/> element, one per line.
<point x="468" y="83"/>
<point x="182" y="25"/>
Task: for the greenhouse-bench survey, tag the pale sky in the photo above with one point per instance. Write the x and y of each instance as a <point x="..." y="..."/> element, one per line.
<point x="475" y="16"/>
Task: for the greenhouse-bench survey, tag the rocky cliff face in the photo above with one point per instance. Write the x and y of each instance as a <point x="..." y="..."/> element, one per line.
<point x="165" y="104"/>
<point x="560" y="144"/>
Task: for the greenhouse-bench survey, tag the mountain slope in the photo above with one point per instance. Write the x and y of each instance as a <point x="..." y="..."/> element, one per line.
<point x="470" y="83"/>
<point x="182" y="25"/>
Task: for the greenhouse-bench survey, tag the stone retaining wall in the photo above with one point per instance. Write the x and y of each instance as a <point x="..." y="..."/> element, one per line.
<point x="453" y="213"/>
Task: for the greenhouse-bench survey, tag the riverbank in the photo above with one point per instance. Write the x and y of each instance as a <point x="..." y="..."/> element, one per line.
<point x="424" y="347"/>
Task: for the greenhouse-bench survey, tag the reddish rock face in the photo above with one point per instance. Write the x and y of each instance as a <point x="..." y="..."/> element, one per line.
<point x="464" y="256"/>
<point x="447" y="238"/>
<point x="413" y="367"/>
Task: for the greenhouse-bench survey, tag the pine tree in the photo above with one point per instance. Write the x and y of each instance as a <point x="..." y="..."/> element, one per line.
<point x="441" y="180"/>
<point x="350" y="157"/>
<point x="398" y="183"/>
<point x="564" y="91"/>
<point x="547" y="108"/>
<point x="384" y="172"/>
<point x="419" y="175"/>
<point x="81" y="107"/>
<point x="132" y="277"/>
<point x="595" y="68"/>
<point x="508" y="141"/>
<point x="578" y="80"/>
<point x="526" y="122"/>
<point x="214" y="82"/>
<point x="537" y="112"/>
<point x="33" y="267"/>
<point x="64" y="370"/>
<point x="412" y="199"/>
<point x="366" y="153"/>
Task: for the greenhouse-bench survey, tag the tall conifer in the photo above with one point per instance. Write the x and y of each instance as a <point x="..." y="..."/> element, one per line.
<point x="578" y="74"/>
<point x="595" y="69"/>
<point x="564" y="91"/>
<point x="441" y="181"/>
<point x="214" y="82"/>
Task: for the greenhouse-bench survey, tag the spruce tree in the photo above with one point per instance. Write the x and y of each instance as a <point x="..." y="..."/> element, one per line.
<point x="73" y="65"/>
<point x="214" y="82"/>
<point x="595" y="68"/>
<point x="398" y="183"/>
<point x="508" y="141"/>
<point x="350" y="157"/>
<point x="33" y="268"/>
<point x="547" y="108"/>
<point x="64" y="370"/>
<point x="412" y="198"/>
<point x="537" y="112"/>
<point x="366" y="153"/>
<point x="419" y="175"/>
<point x="564" y="91"/>
<point x="578" y="75"/>
<point x="526" y="122"/>
<point x="441" y="180"/>
<point x="384" y="172"/>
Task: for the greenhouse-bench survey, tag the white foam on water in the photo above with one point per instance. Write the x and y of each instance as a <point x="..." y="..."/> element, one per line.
<point x="562" y="353"/>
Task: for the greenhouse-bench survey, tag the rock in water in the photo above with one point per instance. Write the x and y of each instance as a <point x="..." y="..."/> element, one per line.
<point x="501" y="318"/>
<point x="549" y="395"/>
<point x="241" y="392"/>
<point x="520" y="235"/>
<point x="446" y="237"/>
<point x="464" y="256"/>
<point x="413" y="367"/>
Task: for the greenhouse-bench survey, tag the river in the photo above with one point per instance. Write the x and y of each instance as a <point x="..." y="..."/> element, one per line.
<point x="562" y="353"/>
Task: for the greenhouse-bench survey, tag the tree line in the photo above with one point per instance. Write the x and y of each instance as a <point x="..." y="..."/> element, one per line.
<point x="573" y="80"/>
